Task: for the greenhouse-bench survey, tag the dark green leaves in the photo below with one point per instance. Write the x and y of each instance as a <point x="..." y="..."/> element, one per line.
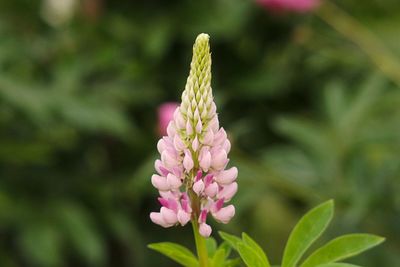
<point x="176" y="252"/>
<point x="341" y="248"/>
<point x="309" y="228"/>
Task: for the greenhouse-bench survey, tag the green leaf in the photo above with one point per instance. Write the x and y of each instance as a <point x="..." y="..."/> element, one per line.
<point x="218" y="258"/>
<point x="307" y="230"/>
<point x="226" y="247"/>
<point x="250" y="256"/>
<point x="232" y="240"/>
<point x="211" y="245"/>
<point x="233" y="262"/>
<point x="341" y="248"/>
<point x="176" y="252"/>
<point x="250" y="242"/>
<point x="338" y="265"/>
<point x="41" y="244"/>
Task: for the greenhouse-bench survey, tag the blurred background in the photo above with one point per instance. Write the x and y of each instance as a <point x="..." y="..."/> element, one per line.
<point x="309" y="96"/>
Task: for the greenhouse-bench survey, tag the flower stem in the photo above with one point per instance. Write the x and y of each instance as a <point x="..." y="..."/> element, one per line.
<point x="200" y="245"/>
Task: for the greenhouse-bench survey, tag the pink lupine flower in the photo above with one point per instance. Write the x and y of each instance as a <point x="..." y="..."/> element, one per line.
<point x="165" y="115"/>
<point x="298" y="6"/>
<point x="192" y="175"/>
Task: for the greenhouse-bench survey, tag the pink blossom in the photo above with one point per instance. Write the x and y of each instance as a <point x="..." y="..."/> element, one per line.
<point x="192" y="178"/>
<point x="165" y="115"/>
<point x="297" y="6"/>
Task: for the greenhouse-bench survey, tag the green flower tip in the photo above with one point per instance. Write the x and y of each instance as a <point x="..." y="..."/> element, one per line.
<point x="202" y="39"/>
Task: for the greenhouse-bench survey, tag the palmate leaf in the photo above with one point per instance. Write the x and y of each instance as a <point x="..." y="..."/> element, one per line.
<point x="176" y="252"/>
<point x="307" y="230"/>
<point x="341" y="248"/>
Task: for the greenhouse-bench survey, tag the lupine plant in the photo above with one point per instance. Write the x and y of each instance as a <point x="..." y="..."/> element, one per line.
<point x="194" y="182"/>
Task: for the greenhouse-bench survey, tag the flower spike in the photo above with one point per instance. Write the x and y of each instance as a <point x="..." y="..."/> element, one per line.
<point x="191" y="175"/>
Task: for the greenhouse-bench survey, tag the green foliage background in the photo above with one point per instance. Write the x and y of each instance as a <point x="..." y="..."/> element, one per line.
<point x="310" y="118"/>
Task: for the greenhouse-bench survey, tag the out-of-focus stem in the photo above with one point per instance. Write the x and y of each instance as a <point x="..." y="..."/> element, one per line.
<point x="353" y="30"/>
<point x="200" y="245"/>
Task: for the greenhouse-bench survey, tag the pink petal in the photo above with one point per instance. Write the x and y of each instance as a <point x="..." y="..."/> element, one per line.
<point x="211" y="190"/>
<point x="186" y="205"/>
<point x="195" y="144"/>
<point x="171" y="129"/>
<point x="157" y="218"/>
<point x="228" y="191"/>
<point x="168" y="159"/>
<point x="205" y="159"/>
<point x="219" y="159"/>
<point x="173" y="204"/>
<point x="189" y="128"/>
<point x="160" y="168"/>
<point x="216" y="206"/>
<point x="188" y="161"/>
<point x="179" y="120"/>
<point x="220" y="137"/>
<point x="214" y="124"/>
<point x="227" y="176"/>
<point x="163" y="202"/>
<point x="213" y="110"/>
<point x="161" y="146"/>
<point x="203" y="216"/>
<point x="183" y="217"/>
<point x="198" y="176"/>
<point x="198" y="187"/>
<point x="160" y="182"/>
<point x="205" y="230"/>
<point x="226" y="146"/>
<point x="208" y="137"/>
<point x="173" y="181"/>
<point x="208" y="179"/>
<point x="168" y="215"/>
<point x="224" y="215"/>
<point x="178" y="143"/>
<point x="199" y="126"/>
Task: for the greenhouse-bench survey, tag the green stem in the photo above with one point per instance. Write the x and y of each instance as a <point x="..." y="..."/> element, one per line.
<point x="200" y="245"/>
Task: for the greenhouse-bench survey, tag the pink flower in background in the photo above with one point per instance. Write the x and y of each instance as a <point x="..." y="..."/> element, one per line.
<point x="299" y="6"/>
<point x="165" y="115"/>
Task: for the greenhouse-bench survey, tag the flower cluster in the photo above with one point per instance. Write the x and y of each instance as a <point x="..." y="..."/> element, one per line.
<point x="299" y="6"/>
<point x="191" y="175"/>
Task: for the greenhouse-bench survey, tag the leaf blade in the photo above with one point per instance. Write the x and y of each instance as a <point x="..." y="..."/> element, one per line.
<point x="342" y="247"/>
<point x="232" y="240"/>
<point x="306" y="231"/>
<point x="219" y="258"/>
<point x="253" y="244"/>
<point x="176" y="252"/>
<point x="249" y="256"/>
